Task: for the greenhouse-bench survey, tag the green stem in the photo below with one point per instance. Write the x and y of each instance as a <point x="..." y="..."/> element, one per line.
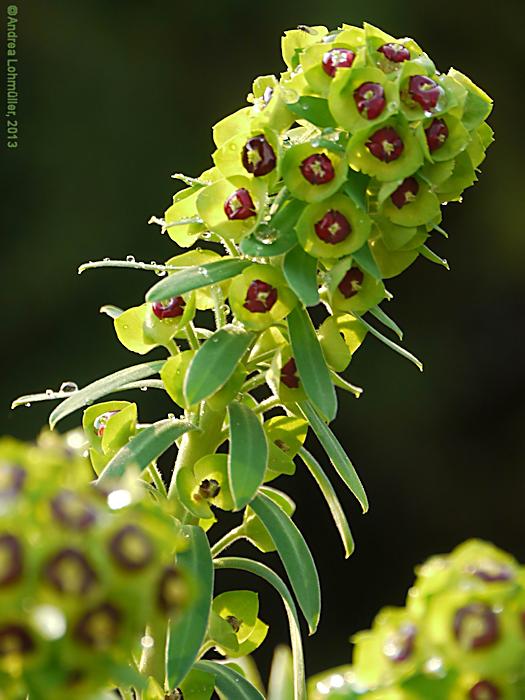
<point x="157" y="479"/>
<point x="230" y="247"/>
<point x="268" y="355"/>
<point x="254" y="382"/>
<point x="219" y="311"/>
<point x="229" y="538"/>
<point x="207" y="646"/>
<point x="268" y="404"/>
<point x="192" y="336"/>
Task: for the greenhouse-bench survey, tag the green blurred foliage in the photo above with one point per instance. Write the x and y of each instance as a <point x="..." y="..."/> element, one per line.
<point x="114" y="97"/>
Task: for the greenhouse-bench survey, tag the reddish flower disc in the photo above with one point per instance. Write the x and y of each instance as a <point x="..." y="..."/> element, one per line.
<point x="169" y="309"/>
<point x="100" y="422"/>
<point x="317" y="169"/>
<point x="484" y="690"/>
<point x="406" y="192"/>
<point x="258" y="157"/>
<point x="337" y="58"/>
<point x="15" y="640"/>
<point x="260" y="297"/>
<point x="70" y="572"/>
<point x="425" y="91"/>
<point x="239" y="205"/>
<point x="476" y="626"/>
<point x="351" y="283"/>
<point x="289" y="374"/>
<point x="370" y="100"/>
<point x="131" y="548"/>
<point x="386" y="144"/>
<point x="437" y="134"/>
<point x="11" y="559"/>
<point x="399" y="646"/>
<point x="172" y="589"/>
<point x="12" y="479"/>
<point x="397" y="53"/>
<point x="72" y="510"/>
<point x="333" y="227"/>
<point x="99" y="626"/>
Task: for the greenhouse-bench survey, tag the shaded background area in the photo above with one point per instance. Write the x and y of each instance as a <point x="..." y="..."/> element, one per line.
<point x="114" y="97"/>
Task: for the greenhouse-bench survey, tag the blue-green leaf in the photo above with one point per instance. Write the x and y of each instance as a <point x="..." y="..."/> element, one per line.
<point x="363" y="257"/>
<point x="335" y="452"/>
<point x="311" y="365"/>
<point x="389" y="343"/>
<point x="385" y="319"/>
<point x="187" y="632"/>
<point x="145" y="447"/>
<point x="295" y="555"/>
<point x="215" y="362"/>
<point x="102" y="387"/>
<point x="195" y="277"/>
<point x="429" y="254"/>
<point x="264" y="572"/>
<point x="314" y="109"/>
<point x="248" y="456"/>
<point x="300" y="270"/>
<point x="230" y="683"/>
<point x="331" y="499"/>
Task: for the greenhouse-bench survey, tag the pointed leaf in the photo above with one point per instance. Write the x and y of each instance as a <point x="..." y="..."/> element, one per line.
<point x="385" y="319"/>
<point x="335" y="452"/>
<point x="389" y="343"/>
<point x="300" y="270"/>
<point x="145" y="447"/>
<point x="311" y="365"/>
<point x="248" y="455"/>
<point x="103" y="387"/>
<point x="195" y="277"/>
<point x="230" y="683"/>
<point x="281" y="236"/>
<point x="295" y="555"/>
<point x="314" y="109"/>
<point x="274" y="580"/>
<point x="331" y="499"/>
<point x="433" y="257"/>
<point x="187" y="632"/>
<point x="215" y="362"/>
<point x="280" y="683"/>
<point x="363" y="257"/>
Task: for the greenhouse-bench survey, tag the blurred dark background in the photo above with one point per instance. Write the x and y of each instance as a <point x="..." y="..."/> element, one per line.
<point x="114" y="97"/>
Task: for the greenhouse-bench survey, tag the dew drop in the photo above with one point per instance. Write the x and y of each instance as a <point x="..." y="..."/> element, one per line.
<point x="68" y="387"/>
<point x="49" y="392"/>
<point x="225" y="308"/>
<point x="143" y="388"/>
<point x="130" y="258"/>
<point x="106" y="259"/>
<point x="206" y="235"/>
<point x="27" y="405"/>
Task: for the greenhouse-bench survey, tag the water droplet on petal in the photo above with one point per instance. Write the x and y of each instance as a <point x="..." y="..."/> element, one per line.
<point x="206" y="235"/>
<point x="49" y="392"/>
<point x="106" y="259"/>
<point x="68" y="387"/>
<point x="130" y="258"/>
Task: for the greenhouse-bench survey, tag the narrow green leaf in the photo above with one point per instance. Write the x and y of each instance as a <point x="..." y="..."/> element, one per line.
<point x="295" y="556"/>
<point x="355" y="187"/>
<point x="311" y="365"/>
<point x="195" y="277"/>
<point x="315" y="109"/>
<point x="230" y="683"/>
<point x="433" y="257"/>
<point x="378" y="312"/>
<point x="346" y="386"/>
<point x="215" y="362"/>
<point x="363" y="257"/>
<point x="331" y="499"/>
<point x="300" y="270"/>
<point x="145" y="447"/>
<point x="276" y="581"/>
<point x="278" y="236"/>
<point x="389" y="343"/>
<point x="111" y="311"/>
<point x="336" y="454"/>
<point x="187" y="632"/>
<point x="280" y="683"/>
<point x="248" y="456"/>
<point x="103" y="387"/>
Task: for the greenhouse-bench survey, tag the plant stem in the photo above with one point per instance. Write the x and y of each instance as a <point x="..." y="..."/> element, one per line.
<point x="254" y="382"/>
<point x="157" y="479"/>
<point x="230" y="247"/>
<point x="228" y="539"/>
<point x="218" y="306"/>
<point x="192" y="336"/>
<point x="267" y="405"/>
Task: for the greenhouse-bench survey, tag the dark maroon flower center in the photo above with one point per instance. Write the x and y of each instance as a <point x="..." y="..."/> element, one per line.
<point x="289" y="374"/>
<point x="100" y="422"/>
<point x="399" y="646"/>
<point x="484" y="690"/>
<point x="69" y="572"/>
<point x="131" y="548"/>
<point x="397" y="53"/>
<point x="172" y="589"/>
<point x="385" y="144"/>
<point x="99" y="626"/>
<point x="260" y="297"/>
<point x="370" y="100"/>
<point x="351" y="283"/>
<point x="239" y="205"/>
<point x="209" y="488"/>
<point x="437" y="134"/>
<point x="405" y="193"/>
<point x="11" y="559"/>
<point x="169" y="309"/>
<point x="258" y="157"/>
<point x="72" y="510"/>
<point x="425" y="91"/>
<point x="333" y="227"/>
<point x="491" y="571"/>
<point x="12" y="478"/>
<point x="476" y="626"/>
<point x="337" y="58"/>
<point x="317" y="169"/>
<point x="15" y="640"/>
